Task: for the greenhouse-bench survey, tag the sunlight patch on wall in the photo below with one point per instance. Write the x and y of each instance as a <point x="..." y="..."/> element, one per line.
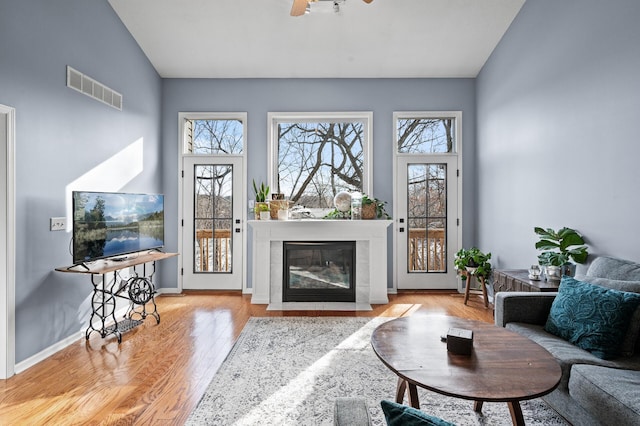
<point x="111" y="175"/>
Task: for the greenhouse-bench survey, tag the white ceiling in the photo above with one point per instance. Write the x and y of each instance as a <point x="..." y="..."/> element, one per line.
<point x="259" y="39"/>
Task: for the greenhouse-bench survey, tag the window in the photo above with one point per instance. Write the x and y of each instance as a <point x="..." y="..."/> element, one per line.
<point x="315" y="156"/>
<point x="426" y="134"/>
<point x="214" y="133"/>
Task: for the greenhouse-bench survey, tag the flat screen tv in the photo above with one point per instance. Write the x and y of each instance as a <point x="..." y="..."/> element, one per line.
<point x="112" y="224"/>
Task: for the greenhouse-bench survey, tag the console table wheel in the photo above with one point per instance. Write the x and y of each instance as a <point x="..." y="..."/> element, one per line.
<point x="140" y="290"/>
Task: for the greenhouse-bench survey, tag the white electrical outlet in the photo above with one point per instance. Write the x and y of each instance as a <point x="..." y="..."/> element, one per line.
<point x="58" y="223"/>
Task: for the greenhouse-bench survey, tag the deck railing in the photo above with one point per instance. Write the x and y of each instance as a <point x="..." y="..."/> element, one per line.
<point x="213" y="250"/>
<point x="427" y="250"/>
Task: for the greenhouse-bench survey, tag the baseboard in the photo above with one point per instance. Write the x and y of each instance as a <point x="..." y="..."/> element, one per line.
<point x="58" y="346"/>
<point x="170" y="290"/>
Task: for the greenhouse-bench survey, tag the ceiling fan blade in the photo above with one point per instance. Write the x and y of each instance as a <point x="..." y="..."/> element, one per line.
<point x="299" y="7"/>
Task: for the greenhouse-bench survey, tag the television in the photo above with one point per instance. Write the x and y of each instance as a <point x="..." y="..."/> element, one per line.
<point x="114" y="224"/>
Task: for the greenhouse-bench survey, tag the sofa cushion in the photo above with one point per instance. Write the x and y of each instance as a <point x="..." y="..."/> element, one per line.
<point x="351" y="411"/>
<point x="631" y="342"/>
<point x="614" y="269"/>
<point x="592" y="317"/>
<point x="402" y="415"/>
<point x="610" y="395"/>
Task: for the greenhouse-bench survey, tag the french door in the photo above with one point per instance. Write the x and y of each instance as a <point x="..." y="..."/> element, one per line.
<point x="212" y="229"/>
<point x="427" y="228"/>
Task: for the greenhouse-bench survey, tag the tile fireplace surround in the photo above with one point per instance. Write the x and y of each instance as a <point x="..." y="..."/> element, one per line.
<point x="371" y="259"/>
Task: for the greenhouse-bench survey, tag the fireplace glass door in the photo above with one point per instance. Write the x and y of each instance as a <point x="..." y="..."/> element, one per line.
<point x="319" y="271"/>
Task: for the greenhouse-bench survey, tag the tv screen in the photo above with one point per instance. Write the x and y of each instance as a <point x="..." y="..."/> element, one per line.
<point x="108" y="224"/>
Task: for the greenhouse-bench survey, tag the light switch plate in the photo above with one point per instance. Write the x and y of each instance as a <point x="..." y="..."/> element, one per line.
<point x="58" y="223"/>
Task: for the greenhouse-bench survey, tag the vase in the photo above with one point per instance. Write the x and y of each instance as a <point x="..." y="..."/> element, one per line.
<point x="568" y="269"/>
<point x="554" y="273"/>
<point x="369" y="211"/>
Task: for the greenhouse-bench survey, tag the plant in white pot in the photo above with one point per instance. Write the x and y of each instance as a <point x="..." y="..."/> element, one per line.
<point x="559" y="249"/>
<point x="262" y="205"/>
<point x="473" y="261"/>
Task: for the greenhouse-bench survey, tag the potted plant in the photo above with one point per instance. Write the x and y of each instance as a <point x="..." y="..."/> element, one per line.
<point x="473" y="261"/>
<point x="559" y="248"/>
<point x="373" y="208"/>
<point x="262" y="211"/>
<point x="261" y="193"/>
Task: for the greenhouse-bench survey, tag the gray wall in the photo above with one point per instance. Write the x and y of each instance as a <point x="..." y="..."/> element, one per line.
<point x="558" y="124"/>
<point x="259" y="96"/>
<point x="61" y="135"/>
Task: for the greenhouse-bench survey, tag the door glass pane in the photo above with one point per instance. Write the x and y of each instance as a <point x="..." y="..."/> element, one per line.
<point x="427" y="217"/>
<point x="212" y="218"/>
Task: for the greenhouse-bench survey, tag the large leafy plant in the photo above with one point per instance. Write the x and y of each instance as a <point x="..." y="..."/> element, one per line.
<point x="473" y="258"/>
<point x="560" y="247"/>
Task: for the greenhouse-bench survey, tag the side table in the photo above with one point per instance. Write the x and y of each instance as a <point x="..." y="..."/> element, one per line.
<point x="139" y="290"/>
<point x="518" y="280"/>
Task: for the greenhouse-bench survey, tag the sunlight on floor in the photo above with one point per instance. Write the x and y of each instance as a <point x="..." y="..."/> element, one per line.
<point x="302" y="386"/>
<point x="400" y="310"/>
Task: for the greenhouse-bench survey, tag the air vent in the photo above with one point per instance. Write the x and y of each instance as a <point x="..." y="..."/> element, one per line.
<point x="98" y="91"/>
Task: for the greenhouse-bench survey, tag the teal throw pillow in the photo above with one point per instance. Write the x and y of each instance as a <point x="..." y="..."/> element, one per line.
<point x="592" y="317"/>
<point x="402" y="415"/>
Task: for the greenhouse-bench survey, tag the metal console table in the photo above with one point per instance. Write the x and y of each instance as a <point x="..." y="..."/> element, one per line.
<point x="138" y="289"/>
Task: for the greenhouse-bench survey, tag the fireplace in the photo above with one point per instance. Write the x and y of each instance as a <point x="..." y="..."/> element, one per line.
<point x="319" y="271"/>
<point x="267" y="255"/>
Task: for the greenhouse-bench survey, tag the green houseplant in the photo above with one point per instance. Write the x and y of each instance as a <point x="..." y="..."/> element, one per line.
<point x="373" y="208"/>
<point x="261" y="192"/>
<point x="473" y="261"/>
<point x="558" y="249"/>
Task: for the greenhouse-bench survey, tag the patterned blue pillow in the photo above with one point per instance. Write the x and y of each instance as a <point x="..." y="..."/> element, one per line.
<point x="402" y="415"/>
<point x="591" y="317"/>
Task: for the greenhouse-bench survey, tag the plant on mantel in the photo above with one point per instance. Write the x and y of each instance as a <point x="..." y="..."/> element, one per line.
<point x="261" y="192"/>
<point x="379" y="207"/>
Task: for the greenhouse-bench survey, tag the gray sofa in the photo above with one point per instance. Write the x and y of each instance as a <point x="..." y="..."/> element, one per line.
<point x="592" y="391"/>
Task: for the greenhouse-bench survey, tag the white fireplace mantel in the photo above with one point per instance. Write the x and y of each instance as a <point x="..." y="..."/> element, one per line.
<point x="371" y="254"/>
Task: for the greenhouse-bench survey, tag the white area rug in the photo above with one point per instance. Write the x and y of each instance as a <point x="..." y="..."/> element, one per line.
<point x="290" y="370"/>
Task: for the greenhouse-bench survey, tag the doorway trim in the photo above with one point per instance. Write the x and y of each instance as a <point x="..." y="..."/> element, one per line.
<point x="182" y="117"/>
<point x="7" y="244"/>
<point x="458" y="154"/>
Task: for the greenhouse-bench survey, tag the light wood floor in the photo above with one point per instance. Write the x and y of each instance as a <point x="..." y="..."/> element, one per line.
<point x="159" y="372"/>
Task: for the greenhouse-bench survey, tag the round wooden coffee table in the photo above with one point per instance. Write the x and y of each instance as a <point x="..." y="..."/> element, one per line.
<point x="503" y="366"/>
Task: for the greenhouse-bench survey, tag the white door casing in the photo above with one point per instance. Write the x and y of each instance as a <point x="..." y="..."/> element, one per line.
<point x="7" y="242"/>
<point x="438" y="155"/>
<point x="213" y="245"/>
<point x="425" y="253"/>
